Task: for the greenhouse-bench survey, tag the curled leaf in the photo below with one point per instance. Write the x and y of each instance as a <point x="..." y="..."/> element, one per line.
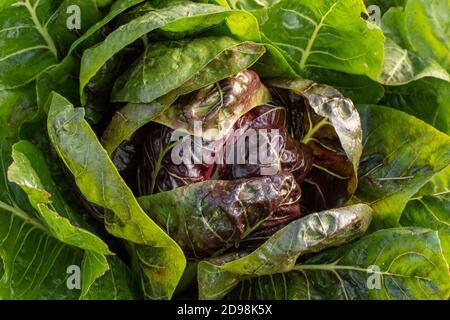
<point x="210" y="217"/>
<point x="320" y="117"/>
<point x="391" y="264"/>
<point x="217" y="107"/>
<point x="280" y="252"/>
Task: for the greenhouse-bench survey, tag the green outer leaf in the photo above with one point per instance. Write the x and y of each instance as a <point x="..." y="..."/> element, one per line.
<point x="404" y="60"/>
<point x="94" y="266"/>
<point x="430" y="208"/>
<point x="63" y="77"/>
<point x="312" y="233"/>
<point x="26" y="48"/>
<point x="23" y="173"/>
<point x="243" y="25"/>
<point x="95" y="57"/>
<point x="50" y="176"/>
<point x="401" y="153"/>
<point x="160" y="258"/>
<point x="115" y="284"/>
<point x="327" y="34"/>
<point x="258" y="4"/>
<point x="237" y="59"/>
<point x="394" y="27"/>
<point x="402" y="66"/>
<point x="428" y="29"/>
<point x="438" y="185"/>
<point x="16" y="107"/>
<point x="35" y="266"/>
<point x="118" y="7"/>
<point x="238" y="24"/>
<point x="165" y="66"/>
<point x="34" y="263"/>
<point x="427" y="99"/>
<point x="57" y="26"/>
<point x="34" y="33"/>
<point x="410" y="262"/>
